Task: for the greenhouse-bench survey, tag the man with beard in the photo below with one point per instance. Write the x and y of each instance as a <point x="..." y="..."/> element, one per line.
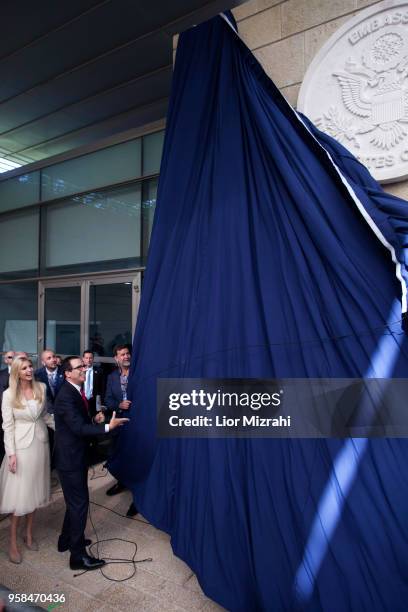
<point x="51" y="375"/>
<point x="116" y="400"/>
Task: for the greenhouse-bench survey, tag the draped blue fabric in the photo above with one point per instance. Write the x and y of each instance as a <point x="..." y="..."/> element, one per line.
<point x="261" y="264"/>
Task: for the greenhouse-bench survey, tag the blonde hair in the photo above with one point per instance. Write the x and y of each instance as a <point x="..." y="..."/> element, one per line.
<point x="15" y="384"/>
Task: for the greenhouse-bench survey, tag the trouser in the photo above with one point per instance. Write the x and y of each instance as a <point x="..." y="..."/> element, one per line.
<point x="114" y="445"/>
<point x="51" y="442"/>
<point x="2" y="451"/>
<point x="76" y="495"/>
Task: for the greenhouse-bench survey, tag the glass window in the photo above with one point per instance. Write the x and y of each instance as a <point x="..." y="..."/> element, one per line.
<point x="105" y="167"/>
<point x="148" y="210"/>
<point x="152" y="152"/>
<point x="19" y="241"/>
<point x="18" y="317"/>
<point x="110" y="317"/>
<point x="20" y="191"/>
<point x="92" y="228"/>
<point x="63" y="319"/>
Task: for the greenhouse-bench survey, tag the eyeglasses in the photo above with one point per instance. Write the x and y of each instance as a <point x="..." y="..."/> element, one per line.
<point x="80" y="367"/>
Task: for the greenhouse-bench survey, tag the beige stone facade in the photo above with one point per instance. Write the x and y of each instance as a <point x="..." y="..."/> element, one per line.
<point x="286" y="35"/>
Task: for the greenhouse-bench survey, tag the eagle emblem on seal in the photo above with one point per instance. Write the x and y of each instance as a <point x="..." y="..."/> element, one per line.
<point x="374" y="90"/>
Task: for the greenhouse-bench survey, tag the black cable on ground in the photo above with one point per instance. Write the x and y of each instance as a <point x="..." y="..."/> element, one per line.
<point x="129" y="518"/>
<point x="113" y="560"/>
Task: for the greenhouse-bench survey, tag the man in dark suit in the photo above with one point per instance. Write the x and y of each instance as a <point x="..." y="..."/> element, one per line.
<point x="4" y="383"/>
<point x="73" y="425"/>
<point x="94" y="385"/>
<point x="116" y="385"/>
<point x="51" y="375"/>
<point x="5" y="372"/>
<point x="116" y="399"/>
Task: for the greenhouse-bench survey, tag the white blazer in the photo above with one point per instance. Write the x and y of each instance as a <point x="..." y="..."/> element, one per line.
<point x="22" y="424"/>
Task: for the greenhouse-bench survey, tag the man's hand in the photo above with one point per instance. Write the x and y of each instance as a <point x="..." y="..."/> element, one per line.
<point x="12" y="463"/>
<point x="114" y="422"/>
<point x="99" y="417"/>
<point x="124" y="405"/>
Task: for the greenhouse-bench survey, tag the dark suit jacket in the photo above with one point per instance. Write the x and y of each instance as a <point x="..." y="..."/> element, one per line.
<point x="41" y="375"/>
<point x="98" y="389"/>
<point x="4" y="383"/>
<point x="73" y="429"/>
<point x="113" y="394"/>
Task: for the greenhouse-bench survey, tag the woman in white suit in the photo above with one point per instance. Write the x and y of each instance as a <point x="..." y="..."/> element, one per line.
<point x="25" y="470"/>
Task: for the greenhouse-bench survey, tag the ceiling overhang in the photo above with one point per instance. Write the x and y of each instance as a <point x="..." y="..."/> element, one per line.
<point x="78" y="71"/>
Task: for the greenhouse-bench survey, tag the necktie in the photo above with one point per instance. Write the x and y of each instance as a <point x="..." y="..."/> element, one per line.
<point x="88" y="385"/>
<point x="51" y="380"/>
<point x="85" y="401"/>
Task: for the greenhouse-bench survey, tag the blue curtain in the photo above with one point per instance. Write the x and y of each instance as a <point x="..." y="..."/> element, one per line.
<point x="273" y="254"/>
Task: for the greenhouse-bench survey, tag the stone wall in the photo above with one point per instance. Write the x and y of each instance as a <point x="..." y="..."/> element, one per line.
<point x="286" y="35"/>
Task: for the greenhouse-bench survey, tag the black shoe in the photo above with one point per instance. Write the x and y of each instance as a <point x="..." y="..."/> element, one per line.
<point x="117" y="488"/>
<point x="63" y="547"/>
<point x="132" y="510"/>
<point x="86" y="562"/>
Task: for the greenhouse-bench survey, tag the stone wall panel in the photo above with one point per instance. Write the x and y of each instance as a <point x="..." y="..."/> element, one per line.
<point x="284" y="60"/>
<point x="262" y="28"/>
<point x="291" y="93"/>
<point x="300" y="15"/>
<point x="316" y="37"/>
<point x="253" y="6"/>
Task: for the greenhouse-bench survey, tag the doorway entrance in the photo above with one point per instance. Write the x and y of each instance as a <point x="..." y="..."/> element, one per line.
<point x="93" y="313"/>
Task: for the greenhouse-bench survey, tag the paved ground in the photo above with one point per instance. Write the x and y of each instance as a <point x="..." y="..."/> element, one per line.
<point x="164" y="584"/>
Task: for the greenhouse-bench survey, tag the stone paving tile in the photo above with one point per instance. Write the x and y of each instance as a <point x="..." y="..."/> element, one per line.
<point x="79" y="602"/>
<point x="175" y="574"/>
<point x="46" y="558"/>
<point x="193" y="585"/>
<point x="146" y="581"/>
<point x="211" y="606"/>
<point x="156" y="533"/>
<point x="159" y="605"/>
<point x="184" y="598"/>
<point x="123" y="597"/>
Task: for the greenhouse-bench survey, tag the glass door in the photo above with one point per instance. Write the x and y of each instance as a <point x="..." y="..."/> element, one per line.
<point x="89" y="313"/>
<point x="112" y="306"/>
<point x="60" y="317"/>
